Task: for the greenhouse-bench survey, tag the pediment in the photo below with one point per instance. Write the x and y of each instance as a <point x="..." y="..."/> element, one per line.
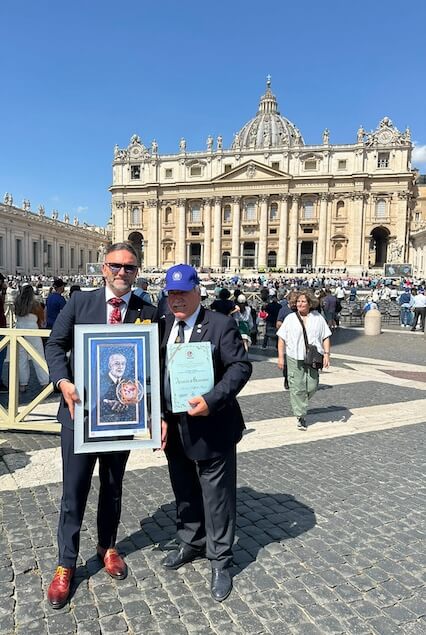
<point x="252" y="171"/>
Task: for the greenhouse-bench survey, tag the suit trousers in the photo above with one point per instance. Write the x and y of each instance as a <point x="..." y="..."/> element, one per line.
<point x="77" y="470"/>
<point x="205" y="492"/>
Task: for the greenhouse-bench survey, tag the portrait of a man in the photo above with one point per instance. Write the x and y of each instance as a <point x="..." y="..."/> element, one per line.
<point x="111" y="408"/>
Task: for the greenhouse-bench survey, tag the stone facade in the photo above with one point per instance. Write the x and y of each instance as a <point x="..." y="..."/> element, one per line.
<point x="32" y="243"/>
<point x="418" y="234"/>
<point x="269" y="200"/>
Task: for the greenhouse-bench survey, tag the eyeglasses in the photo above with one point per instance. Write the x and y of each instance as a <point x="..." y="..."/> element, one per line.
<point x="115" y="267"/>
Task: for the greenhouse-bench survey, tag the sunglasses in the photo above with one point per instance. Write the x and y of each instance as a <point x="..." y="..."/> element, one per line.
<point x="115" y="267"/>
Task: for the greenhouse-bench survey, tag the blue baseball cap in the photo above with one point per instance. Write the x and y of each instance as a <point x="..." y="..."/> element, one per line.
<point x="181" y="278"/>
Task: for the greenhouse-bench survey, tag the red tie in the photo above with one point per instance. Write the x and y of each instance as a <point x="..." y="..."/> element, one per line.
<point x="115" y="316"/>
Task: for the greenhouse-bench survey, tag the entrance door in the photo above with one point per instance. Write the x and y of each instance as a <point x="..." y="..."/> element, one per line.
<point x="306" y="254"/>
<point x="195" y="255"/>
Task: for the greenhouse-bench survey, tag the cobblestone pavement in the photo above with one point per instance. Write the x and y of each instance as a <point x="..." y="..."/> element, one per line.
<point x="329" y="536"/>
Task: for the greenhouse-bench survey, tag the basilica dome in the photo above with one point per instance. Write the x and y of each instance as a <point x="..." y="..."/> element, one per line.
<point x="268" y="129"/>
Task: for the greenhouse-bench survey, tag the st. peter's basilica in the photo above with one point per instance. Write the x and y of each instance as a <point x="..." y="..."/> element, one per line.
<point x="270" y="200"/>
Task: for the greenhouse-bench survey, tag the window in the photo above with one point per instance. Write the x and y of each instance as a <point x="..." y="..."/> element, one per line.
<point x="250" y="211"/>
<point x="341" y="165"/>
<point x="168" y="215"/>
<point x="381" y="208"/>
<point x="195" y="233"/>
<point x="195" y="213"/>
<point x="135" y="171"/>
<point x="273" y="230"/>
<point x="308" y="230"/>
<point x="383" y="160"/>
<point x="169" y="173"/>
<point x="308" y="210"/>
<point x="226" y="232"/>
<point x="195" y="170"/>
<point x="273" y="212"/>
<point x="227" y="214"/>
<point x="275" y="165"/>
<point x="310" y="164"/>
<point x="35" y="254"/>
<point x="227" y="167"/>
<point x="90" y="255"/>
<point x="136" y="216"/>
<point x="72" y="257"/>
<point x="49" y="255"/>
<point x="18" y="252"/>
<point x="81" y="259"/>
<point x="417" y="216"/>
<point x="61" y="257"/>
<point x="1" y="251"/>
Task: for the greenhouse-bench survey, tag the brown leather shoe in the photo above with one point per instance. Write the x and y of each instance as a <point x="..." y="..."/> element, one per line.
<point x="59" y="589"/>
<point x="113" y="562"/>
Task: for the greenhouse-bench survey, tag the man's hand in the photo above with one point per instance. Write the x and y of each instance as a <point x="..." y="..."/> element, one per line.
<point x="70" y="395"/>
<point x="326" y="361"/>
<point x="164" y="430"/>
<point x="115" y="405"/>
<point x="280" y="364"/>
<point x="199" y="408"/>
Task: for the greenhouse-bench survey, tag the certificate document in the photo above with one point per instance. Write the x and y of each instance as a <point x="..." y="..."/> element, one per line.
<point x="190" y="369"/>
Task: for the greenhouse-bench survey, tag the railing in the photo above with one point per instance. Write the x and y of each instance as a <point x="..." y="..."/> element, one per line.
<point x="15" y="417"/>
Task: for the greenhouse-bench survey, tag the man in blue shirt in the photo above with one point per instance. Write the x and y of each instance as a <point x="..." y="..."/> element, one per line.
<point x="55" y="302"/>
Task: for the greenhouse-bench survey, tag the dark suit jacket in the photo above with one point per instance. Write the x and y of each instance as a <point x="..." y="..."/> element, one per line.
<point x="84" y="307"/>
<point x="214" y="435"/>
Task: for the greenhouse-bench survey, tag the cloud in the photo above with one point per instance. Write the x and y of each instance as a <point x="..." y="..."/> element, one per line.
<point x="81" y="209"/>
<point x="419" y="154"/>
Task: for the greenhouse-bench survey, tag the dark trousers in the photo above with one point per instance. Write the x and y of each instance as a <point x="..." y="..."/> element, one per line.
<point x="77" y="470"/>
<point x="205" y="493"/>
<point x="419" y="313"/>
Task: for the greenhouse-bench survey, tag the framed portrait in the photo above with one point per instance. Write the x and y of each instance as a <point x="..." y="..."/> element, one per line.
<point x="117" y="377"/>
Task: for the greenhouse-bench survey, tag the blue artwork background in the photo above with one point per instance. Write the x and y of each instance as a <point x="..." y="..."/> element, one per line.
<point x="107" y="346"/>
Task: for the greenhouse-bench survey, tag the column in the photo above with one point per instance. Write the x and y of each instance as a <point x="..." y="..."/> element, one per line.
<point x="299" y="253"/>
<point x="217" y="232"/>
<point x="283" y="231"/>
<point x="235" y="249"/>
<point x="206" y="259"/>
<point x="181" y="232"/>
<point x="322" y="230"/>
<point x="263" y="230"/>
<point x="152" y="255"/>
<point x="356" y="230"/>
<point x="294" y="231"/>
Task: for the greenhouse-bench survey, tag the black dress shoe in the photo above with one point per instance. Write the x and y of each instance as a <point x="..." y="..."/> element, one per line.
<point x="178" y="557"/>
<point x="221" y="585"/>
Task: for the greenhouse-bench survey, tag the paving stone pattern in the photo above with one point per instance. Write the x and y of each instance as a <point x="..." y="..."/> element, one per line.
<point x="329" y="540"/>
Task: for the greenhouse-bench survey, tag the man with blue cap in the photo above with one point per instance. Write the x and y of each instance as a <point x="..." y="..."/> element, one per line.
<point x="201" y="443"/>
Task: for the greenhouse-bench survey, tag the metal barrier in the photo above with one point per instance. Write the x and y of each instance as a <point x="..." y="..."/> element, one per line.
<point x="15" y="417"/>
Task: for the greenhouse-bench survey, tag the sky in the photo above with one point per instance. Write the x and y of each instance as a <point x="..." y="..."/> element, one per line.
<point x="79" y="77"/>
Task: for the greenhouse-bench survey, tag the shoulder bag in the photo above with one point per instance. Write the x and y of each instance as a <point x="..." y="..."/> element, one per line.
<point x="313" y="358"/>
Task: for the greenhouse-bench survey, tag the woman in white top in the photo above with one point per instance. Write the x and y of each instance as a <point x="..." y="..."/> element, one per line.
<point x="302" y="379"/>
<point x="30" y="315"/>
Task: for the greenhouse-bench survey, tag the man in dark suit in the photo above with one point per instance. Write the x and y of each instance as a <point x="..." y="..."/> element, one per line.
<point x="111" y="305"/>
<point x="201" y="443"/>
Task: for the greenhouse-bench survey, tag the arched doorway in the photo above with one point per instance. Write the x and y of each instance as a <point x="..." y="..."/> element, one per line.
<point x="226" y="259"/>
<point x="378" y="246"/>
<point x="136" y="238"/>
<point x="306" y="254"/>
